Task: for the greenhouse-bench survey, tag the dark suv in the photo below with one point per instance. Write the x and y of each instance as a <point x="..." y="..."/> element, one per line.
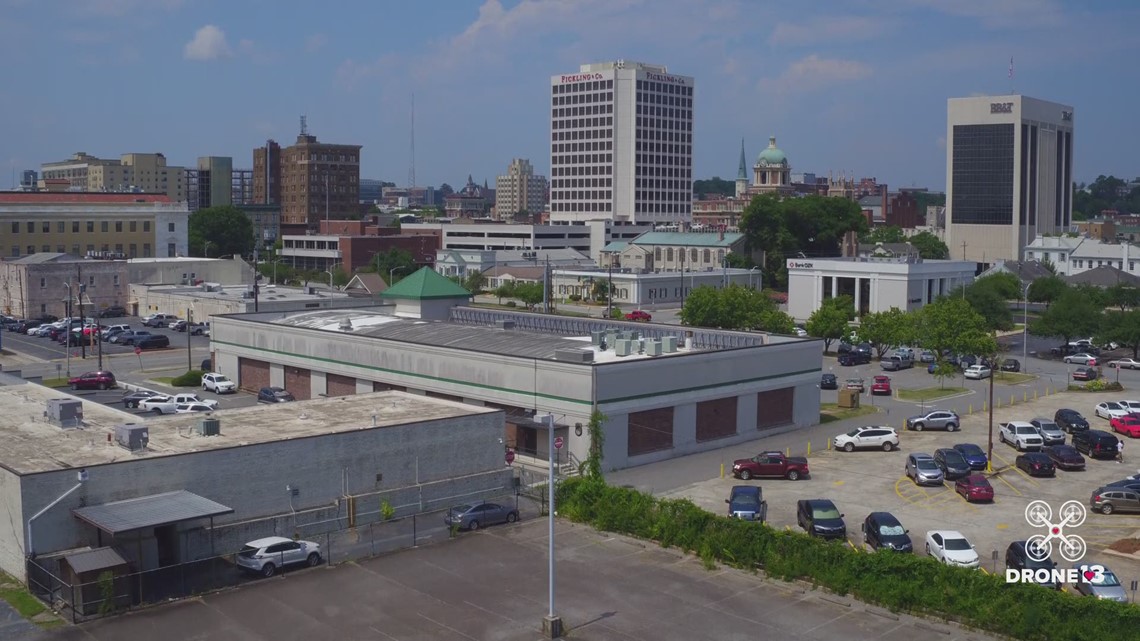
<point x="1095" y="443"/>
<point x="828" y="381"/>
<point x="853" y="357"/>
<point x="882" y="531"/>
<point x="820" y="517"/>
<point x="1017" y="557"/>
<point x="153" y="341"/>
<point x="1070" y="420"/>
<point x="954" y="465"/>
<point x="746" y="502"/>
<point x="274" y="395"/>
<point x="114" y="311"/>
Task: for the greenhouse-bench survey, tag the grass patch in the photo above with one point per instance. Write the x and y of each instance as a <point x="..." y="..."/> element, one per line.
<point x="924" y="394"/>
<point x="831" y="412"/>
<point x="54" y="382"/>
<point x="19" y="598"/>
<point x="1013" y="378"/>
<point x="165" y="380"/>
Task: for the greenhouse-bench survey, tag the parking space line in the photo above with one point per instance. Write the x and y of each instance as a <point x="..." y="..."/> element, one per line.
<point x="1008" y="484"/>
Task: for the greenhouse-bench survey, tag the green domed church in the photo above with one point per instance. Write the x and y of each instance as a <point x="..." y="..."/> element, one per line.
<point x="771" y="174"/>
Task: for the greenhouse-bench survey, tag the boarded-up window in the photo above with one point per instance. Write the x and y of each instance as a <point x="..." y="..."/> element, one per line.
<point x="339" y="385"/>
<point x="716" y="419"/>
<point x="774" y="407"/>
<point x="252" y="374"/>
<point x="650" y="431"/>
<point x="297" y="382"/>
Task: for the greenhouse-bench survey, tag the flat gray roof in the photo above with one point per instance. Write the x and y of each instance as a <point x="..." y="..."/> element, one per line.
<point x="30" y="444"/>
<point x="150" y="511"/>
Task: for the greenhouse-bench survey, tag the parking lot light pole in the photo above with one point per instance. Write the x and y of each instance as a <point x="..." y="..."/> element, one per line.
<point x="1025" y="328"/>
<point x="551" y="624"/>
<point x="990" y="447"/>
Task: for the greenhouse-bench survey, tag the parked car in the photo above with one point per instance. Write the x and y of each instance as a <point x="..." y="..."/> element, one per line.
<point x="977" y="372"/>
<point x="131" y="400"/>
<point x="951" y="548"/>
<point x="266" y="556"/>
<point x="190" y="408"/>
<point x="1084" y="374"/>
<point x="129" y="337"/>
<point x="1018" y="556"/>
<point x="111" y="330"/>
<point x="881" y="385"/>
<point x="475" y="516"/>
<point x="1124" y="363"/>
<point x="828" y="381"/>
<point x="855" y="384"/>
<point x="1011" y="365"/>
<point x="952" y="463"/>
<point x="1035" y="464"/>
<point x="1129" y="425"/>
<point x="1095" y="443"/>
<point x="1083" y="358"/>
<point x="114" y="311"/>
<point x="773" y="464"/>
<point x="746" y="502"/>
<point x="1070" y="420"/>
<point x="160" y="320"/>
<point x="850" y="358"/>
<point x="799" y="331"/>
<point x="154" y="341"/>
<point x="218" y="384"/>
<point x="922" y="469"/>
<point x="974" y="487"/>
<point x="638" y="315"/>
<point x="896" y="363"/>
<point x="1109" y="499"/>
<point x="934" y="420"/>
<point x="93" y="380"/>
<point x="168" y="404"/>
<point x="882" y="531"/>
<point x="974" y="455"/>
<point x="820" y="517"/>
<point x="1020" y="435"/>
<point x="1133" y="407"/>
<point x="1050" y="432"/>
<point x="1107" y="586"/>
<point x="178" y="326"/>
<point x="868" y="437"/>
<point x="1065" y="457"/>
<point x="198" y="329"/>
<point x="274" y="395"/>
<point x="926" y="356"/>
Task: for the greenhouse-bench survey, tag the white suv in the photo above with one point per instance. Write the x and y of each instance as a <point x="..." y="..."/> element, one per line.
<point x="264" y="556"/>
<point x="871" y="436"/>
<point x="1021" y="435"/>
<point x="218" y="384"/>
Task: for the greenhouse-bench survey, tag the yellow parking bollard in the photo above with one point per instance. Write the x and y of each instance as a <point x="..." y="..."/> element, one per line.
<point x="809" y="449"/>
<point x="1011" y="400"/>
<point x="1025" y="397"/>
<point x="971" y="409"/>
<point x="722" y="470"/>
<point x="828" y="445"/>
<point x="983" y="406"/>
<point x="789" y="453"/>
<point x="1035" y="394"/>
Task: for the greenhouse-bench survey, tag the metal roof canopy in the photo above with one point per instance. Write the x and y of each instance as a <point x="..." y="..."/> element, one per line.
<point x="150" y="511"/>
<point x="97" y="559"/>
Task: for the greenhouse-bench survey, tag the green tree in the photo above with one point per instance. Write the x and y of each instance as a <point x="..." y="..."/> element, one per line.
<point x="950" y="325"/>
<point x="394" y="264"/>
<point x="1122" y="296"/>
<point x="220" y="231"/>
<point x="1007" y="286"/>
<point x="734" y="307"/>
<point x="474" y="282"/>
<point x="1122" y="328"/>
<point x="830" y="322"/>
<point x="714" y="185"/>
<point x="929" y="246"/>
<point x="1073" y="314"/>
<point x="890" y="234"/>
<point x="530" y="294"/>
<point x="988" y="296"/>
<point x="884" y="330"/>
<point x="504" y="290"/>
<point x="340" y="277"/>
<point x="600" y="292"/>
<point x="1047" y="289"/>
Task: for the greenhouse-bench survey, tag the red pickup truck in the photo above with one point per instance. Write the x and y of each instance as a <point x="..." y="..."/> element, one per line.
<point x="638" y="315"/>
<point x="773" y="464"/>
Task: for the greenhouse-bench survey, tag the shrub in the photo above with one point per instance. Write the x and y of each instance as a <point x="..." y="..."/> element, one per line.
<point x="193" y="378"/>
<point x="896" y="581"/>
<point x="1098" y="385"/>
<point x="511" y="303"/>
<point x="575" y="298"/>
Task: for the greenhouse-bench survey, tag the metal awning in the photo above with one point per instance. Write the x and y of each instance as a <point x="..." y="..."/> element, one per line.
<point x="150" y="511"/>
<point x="92" y="560"/>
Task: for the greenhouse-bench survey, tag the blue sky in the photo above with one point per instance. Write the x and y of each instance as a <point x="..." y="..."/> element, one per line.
<point x="857" y="86"/>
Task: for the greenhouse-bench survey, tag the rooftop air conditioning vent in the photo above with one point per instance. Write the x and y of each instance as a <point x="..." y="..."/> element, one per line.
<point x="653" y="347"/>
<point x="623" y="347"/>
<point x="65" y="412"/>
<point x="574" y="355"/>
<point x="668" y="344"/>
<point x="209" y="427"/>
<point x="505" y="324"/>
<point x="132" y="436"/>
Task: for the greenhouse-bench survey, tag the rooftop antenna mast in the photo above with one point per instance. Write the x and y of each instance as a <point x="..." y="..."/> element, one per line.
<point x="412" y="166"/>
<point x="304" y="126"/>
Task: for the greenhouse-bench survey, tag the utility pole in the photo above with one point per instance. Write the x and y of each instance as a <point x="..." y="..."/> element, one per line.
<point x="189" y="333"/>
<point x="610" y="289"/>
<point x="82" y="317"/>
<point x="990" y="448"/>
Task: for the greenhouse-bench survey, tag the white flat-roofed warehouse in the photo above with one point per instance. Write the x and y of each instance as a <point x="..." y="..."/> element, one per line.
<point x="298" y="469"/>
<point x="680" y="390"/>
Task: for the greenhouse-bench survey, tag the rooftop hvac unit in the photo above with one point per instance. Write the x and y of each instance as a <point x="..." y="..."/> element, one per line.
<point x="634" y="335"/>
<point x="209" y="427"/>
<point x="653" y="347"/>
<point x="611" y="336"/>
<point x="574" y="355"/>
<point x="65" y="412"/>
<point x="598" y="338"/>
<point x="623" y="347"/>
<point x="505" y="324"/>
<point x="668" y="344"/>
<point x="132" y="436"/>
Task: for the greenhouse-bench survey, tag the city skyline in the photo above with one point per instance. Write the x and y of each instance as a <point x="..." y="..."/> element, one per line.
<point x="856" y="88"/>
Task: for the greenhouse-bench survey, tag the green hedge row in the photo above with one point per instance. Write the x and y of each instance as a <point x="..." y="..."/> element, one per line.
<point x="192" y="378"/>
<point x="900" y="582"/>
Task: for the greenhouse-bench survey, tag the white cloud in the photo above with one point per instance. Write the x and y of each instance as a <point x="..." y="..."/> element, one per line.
<point x="828" y="30"/>
<point x="315" y="42"/>
<point x="209" y="43"/>
<point x="812" y="73"/>
<point x="1000" y="14"/>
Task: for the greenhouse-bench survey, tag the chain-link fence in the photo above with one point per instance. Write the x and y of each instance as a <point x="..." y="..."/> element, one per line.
<point x="84" y="597"/>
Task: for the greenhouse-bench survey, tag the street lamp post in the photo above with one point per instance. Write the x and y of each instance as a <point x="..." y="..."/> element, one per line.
<point x="275" y="261"/>
<point x="750" y="272"/>
<point x="391" y="273"/>
<point x="551" y="624"/>
<point x="67" y="345"/>
<point x="206" y="249"/>
<point x="1025" y="327"/>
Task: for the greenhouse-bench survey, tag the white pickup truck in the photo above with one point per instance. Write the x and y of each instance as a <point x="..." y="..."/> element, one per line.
<point x="1021" y="435"/>
<point x="168" y="404"/>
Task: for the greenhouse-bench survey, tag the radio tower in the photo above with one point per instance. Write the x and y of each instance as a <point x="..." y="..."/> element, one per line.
<point x="412" y="167"/>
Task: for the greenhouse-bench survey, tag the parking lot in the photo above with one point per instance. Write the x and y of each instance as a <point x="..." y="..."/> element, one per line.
<point x="865" y="481"/>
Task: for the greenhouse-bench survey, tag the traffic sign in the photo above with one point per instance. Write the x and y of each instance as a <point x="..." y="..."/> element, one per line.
<point x="558" y="442"/>
<point x="138" y="350"/>
<point x="510" y="456"/>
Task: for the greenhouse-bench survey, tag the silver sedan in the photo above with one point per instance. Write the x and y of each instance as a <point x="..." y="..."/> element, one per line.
<point x="473" y="517"/>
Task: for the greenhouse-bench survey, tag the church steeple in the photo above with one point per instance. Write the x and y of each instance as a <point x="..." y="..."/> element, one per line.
<point x="742" y="171"/>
